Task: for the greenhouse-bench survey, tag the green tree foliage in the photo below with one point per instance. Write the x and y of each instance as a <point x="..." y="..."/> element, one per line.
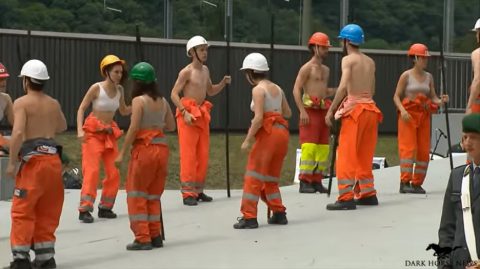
<point x="389" y="24"/>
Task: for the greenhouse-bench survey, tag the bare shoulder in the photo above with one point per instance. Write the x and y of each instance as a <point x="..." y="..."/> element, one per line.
<point x="325" y="68"/>
<point x="20" y="101"/>
<point x="474" y="55"/>
<point x="185" y="72"/>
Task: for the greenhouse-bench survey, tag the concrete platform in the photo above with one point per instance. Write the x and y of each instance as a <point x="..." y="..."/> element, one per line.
<point x="392" y="235"/>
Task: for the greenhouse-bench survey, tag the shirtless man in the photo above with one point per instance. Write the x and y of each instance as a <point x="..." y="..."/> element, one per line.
<point x="473" y="105"/>
<point x="193" y="119"/>
<point x="313" y="105"/>
<point x="38" y="196"/>
<point x="359" y="120"/>
<point x="6" y="106"/>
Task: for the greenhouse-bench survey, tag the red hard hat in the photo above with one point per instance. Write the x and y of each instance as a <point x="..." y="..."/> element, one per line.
<point x="418" y="50"/>
<point x="319" y="39"/>
<point x="3" y="71"/>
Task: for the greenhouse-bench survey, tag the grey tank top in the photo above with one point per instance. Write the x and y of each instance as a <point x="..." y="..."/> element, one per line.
<point x="414" y="86"/>
<point x="153" y="118"/>
<point x="271" y="103"/>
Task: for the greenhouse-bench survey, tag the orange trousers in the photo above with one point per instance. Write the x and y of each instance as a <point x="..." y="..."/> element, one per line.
<point x="194" y="143"/>
<point x="100" y="145"/>
<point x="264" y="166"/>
<point x="476" y="105"/>
<point x="414" y="140"/>
<point x="147" y="173"/>
<point x="356" y="148"/>
<point x="37" y="206"/>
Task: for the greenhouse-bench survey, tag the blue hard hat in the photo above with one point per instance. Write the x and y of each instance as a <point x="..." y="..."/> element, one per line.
<point x="352" y="33"/>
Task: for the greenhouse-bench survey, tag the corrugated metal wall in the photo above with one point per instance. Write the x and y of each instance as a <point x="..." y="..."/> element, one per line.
<point x="73" y="61"/>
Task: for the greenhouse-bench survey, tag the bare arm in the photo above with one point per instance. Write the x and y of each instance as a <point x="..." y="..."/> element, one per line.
<point x="399" y="91"/>
<point x="475" y="87"/>
<point x="286" y="111"/>
<point x="215" y="89"/>
<point x="433" y="94"/>
<point x="343" y="87"/>
<point x="123" y="108"/>
<point x="169" y="119"/>
<point x="330" y="91"/>
<point x="18" y="132"/>
<point x="135" y="119"/>
<point x="257" y="121"/>
<point x="9" y="109"/>
<point x="61" y="122"/>
<point x="298" y="87"/>
<point x="178" y="88"/>
<point x="91" y="95"/>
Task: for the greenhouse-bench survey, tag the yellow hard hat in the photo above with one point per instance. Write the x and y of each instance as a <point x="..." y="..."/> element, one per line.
<point x="108" y="60"/>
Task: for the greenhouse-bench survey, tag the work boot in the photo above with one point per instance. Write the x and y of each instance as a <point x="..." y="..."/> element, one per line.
<point x="190" y="201"/>
<point x="417" y="189"/>
<point x="204" y="198"/>
<point x="20" y="264"/>
<point x="246" y="223"/>
<point x="106" y="214"/>
<point x="342" y="205"/>
<point x="85" y="217"/>
<point x="371" y="200"/>
<point x="306" y="187"/>
<point x="48" y="264"/>
<point x="139" y="246"/>
<point x="157" y="242"/>
<point x="405" y="187"/>
<point x="278" y="218"/>
<point x="318" y="186"/>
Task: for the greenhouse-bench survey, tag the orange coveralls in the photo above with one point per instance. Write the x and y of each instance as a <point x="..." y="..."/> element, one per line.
<point x="356" y="147"/>
<point x="264" y="166"/>
<point x="37" y="201"/>
<point x="314" y="139"/>
<point x="100" y="144"/>
<point x="414" y="139"/>
<point x="147" y="173"/>
<point x="194" y="143"/>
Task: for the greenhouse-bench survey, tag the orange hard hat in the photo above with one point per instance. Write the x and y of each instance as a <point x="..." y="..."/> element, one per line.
<point x="319" y="39"/>
<point x="418" y="49"/>
<point x="108" y="60"/>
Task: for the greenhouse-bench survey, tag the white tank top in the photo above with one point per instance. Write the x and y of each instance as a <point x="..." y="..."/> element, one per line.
<point x="270" y="103"/>
<point x="104" y="103"/>
<point x="414" y="86"/>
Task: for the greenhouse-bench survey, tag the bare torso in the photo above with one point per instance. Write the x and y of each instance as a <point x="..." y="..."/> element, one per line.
<point x="42" y="114"/>
<point x="362" y="79"/>
<point x="316" y="83"/>
<point x="197" y="83"/>
<point x="475" y="57"/>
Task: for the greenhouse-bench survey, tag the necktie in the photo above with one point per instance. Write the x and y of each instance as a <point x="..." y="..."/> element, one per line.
<point x="476" y="181"/>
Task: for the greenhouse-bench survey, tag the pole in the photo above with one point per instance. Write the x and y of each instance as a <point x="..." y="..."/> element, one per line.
<point x="227" y="95"/>
<point x="139" y="49"/>
<point x="442" y="91"/>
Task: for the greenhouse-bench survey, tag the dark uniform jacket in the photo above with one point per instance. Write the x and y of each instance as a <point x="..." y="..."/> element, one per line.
<point x="451" y="232"/>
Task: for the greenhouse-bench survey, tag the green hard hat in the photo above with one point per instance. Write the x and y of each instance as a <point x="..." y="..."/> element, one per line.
<point x="143" y="72"/>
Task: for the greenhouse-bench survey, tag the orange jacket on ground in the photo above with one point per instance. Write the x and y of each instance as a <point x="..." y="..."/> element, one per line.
<point x="356" y="148"/>
<point x="264" y="166"/>
<point x="147" y="172"/>
<point x="194" y="143"/>
<point x="314" y="139"/>
<point x="100" y="144"/>
<point x="37" y="202"/>
<point x="414" y="139"/>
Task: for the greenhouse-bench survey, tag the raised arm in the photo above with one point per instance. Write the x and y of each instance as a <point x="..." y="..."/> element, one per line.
<point x="214" y="89"/>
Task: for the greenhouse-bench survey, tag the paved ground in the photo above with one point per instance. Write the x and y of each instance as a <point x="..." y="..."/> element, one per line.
<point x="392" y="235"/>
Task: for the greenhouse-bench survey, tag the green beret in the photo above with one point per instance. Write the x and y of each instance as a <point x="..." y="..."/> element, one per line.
<point x="471" y="123"/>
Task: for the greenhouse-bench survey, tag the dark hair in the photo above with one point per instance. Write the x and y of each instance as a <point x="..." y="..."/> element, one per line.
<point x="150" y="89"/>
<point x="311" y="48"/>
<point x="257" y="75"/>
<point x="109" y="68"/>
<point x="34" y="86"/>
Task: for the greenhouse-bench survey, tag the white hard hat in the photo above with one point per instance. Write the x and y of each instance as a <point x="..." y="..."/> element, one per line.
<point x="35" y="69"/>
<point x="195" y="41"/>
<point x="477" y="26"/>
<point x="256" y="62"/>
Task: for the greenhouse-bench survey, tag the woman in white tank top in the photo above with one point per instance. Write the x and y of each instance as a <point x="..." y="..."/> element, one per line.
<point x="99" y="135"/>
<point x="415" y="99"/>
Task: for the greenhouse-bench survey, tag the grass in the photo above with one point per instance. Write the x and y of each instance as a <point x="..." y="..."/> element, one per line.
<point x="216" y="177"/>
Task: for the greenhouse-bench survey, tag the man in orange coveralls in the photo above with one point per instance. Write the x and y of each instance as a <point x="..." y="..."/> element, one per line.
<point x="38" y="196"/>
<point x="312" y="79"/>
<point x="359" y="120"/>
<point x="193" y="119"/>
